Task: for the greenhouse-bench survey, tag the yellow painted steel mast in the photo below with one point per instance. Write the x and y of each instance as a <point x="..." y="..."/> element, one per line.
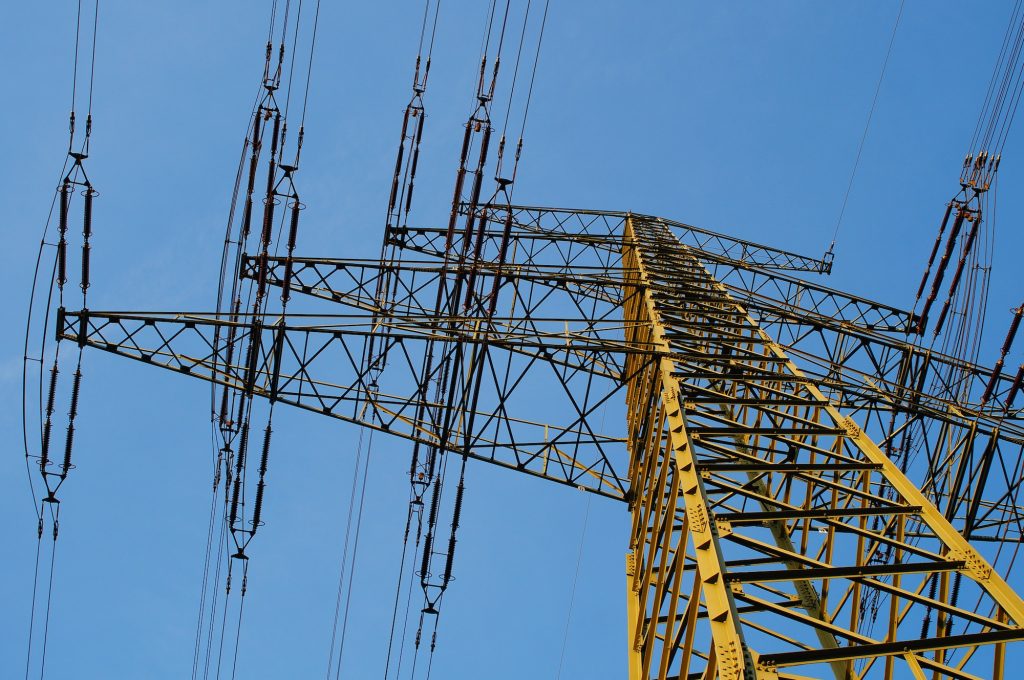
<point x="760" y="511"/>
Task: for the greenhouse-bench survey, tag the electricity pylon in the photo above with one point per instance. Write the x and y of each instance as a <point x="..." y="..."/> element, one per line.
<point x="811" y="493"/>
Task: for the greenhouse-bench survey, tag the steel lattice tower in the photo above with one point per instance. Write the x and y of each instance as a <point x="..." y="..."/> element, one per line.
<point x="810" y="494"/>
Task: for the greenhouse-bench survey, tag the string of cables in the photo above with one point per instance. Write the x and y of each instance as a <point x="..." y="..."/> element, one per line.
<point x="375" y="354"/>
<point x="44" y="363"/>
<point x="451" y="374"/>
<point x="448" y="383"/>
<point x="966" y="236"/>
<point x="966" y="233"/>
<point x="251" y="347"/>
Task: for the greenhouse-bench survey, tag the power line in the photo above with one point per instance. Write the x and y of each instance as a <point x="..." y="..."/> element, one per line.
<point x="572" y="592"/>
<point x="867" y="126"/>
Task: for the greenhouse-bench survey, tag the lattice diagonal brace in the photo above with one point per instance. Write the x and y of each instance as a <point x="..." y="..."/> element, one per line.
<point x="763" y="519"/>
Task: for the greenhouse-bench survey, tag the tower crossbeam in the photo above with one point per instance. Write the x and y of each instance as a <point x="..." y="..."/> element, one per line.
<point x="809" y="487"/>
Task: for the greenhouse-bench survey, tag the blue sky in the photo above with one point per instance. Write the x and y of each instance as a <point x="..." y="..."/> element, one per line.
<point x="742" y="117"/>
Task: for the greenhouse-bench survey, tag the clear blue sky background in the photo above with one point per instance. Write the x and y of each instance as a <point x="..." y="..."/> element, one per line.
<point x="738" y="116"/>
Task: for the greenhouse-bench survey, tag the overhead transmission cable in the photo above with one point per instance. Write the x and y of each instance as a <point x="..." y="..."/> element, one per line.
<point x="460" y="373"/>
<point x="572" y="591"/>
<point x="347" y="562"/>
<point x="867" y="126"/>
<point x="244" y="298"/>
<point x="53" y="469"/>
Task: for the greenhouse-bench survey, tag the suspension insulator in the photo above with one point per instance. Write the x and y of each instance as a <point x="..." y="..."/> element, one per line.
<point x="62" y="228"/>
<point x="239" y="466"/>
<point x="246" y="221"/>
<point x="458" y="506"/>
<point x="293" y="226"/>
<point x="289" y="265"/>
<point x="253" y="354"/>
<point x="428" y="544"/>
<point x="425" y="566"/>
<point x="937" y="283"/>
<point x="266" y="450"/>
<point x="414" y="164"/>
<point x="75" y="388"/>
<point x="65" y="197"/>
<point x="935" y="250"/>
<point x="460" y="179"/>
<point x="408" y="197"/>
<point x="398" y="161"/>
<point x="68" y="444"/>
<point x="268" y="207"/>
<point x="1012" y="332"/>
<point x="234" y="501"/>
<point x="480" y="83"/>
<point x="268" y="222"/>
<point x="434" y="503"/>
<point x="942" y="318"/>
<point x="243" y="447"/>
<point x="87" y="212"/>
<point x="44" y="456"/>
<point x="485" y="144"/>
<point x="258" y="510"/>
<point x="1014" y="388"/>
<point x="86" y="234"/>
<point x="1007" y="343"/>
<point x="52" y="393"/>
<point x="85" y="267"/>
<point x="481" y="222"/>
<point x="276" y="135"/>
<point x="494" y="77"/>
<point x="451" y="541"/>
<point x="421" y="121"/>
<point x="416" y="149"/>
<point x="395" y="180"/>
<point x="286" y="282"/>
<point x="225" y="415"/>
<point x="955" y="596"/>
<point x="474" y="197"/>
<point x="251" y="179"/>
<point x="955" y="283"/>
<point x="506" y="236"/>
<point x="62" y="262"/>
